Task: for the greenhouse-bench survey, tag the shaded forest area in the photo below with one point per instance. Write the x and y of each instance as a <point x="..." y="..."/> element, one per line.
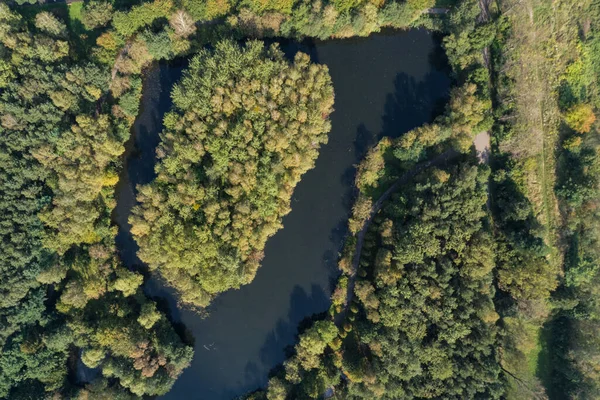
<point x="245" y="127"/>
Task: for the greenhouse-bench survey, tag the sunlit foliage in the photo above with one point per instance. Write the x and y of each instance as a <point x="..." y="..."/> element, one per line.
<point x="246" y="125"/>
<point x="96" y="14"/>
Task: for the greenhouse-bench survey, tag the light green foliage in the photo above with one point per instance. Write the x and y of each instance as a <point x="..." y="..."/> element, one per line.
<point x="311" y="370"/>
<point x="128" y="282"/>
<point x="48" y="23"/>
<point x="81" y="158"/>
<point x="207" y="9"/>
<point x="340" y="19"/>
<point x="127" y="23"/>
<point x="361" y="211"/>
<point x="465" y="113"/>
<point x="345" y="5"/>
<point x="96" y="14"/>
<point x="261" y="6"/>
<point x="6" y="73"/>
<point x="92" y="357"/>
<point x="313" y="343"/>
<point x="371" y="168"/>
<point x="149" y="315"/>
<point x="246" y="125"/>
<point x="277" y="389"/>
<point x="147" y="361"/>
<point x="159" y="45"/>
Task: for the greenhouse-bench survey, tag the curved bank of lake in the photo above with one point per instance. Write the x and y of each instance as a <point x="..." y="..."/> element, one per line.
<point x="384" y="85"/>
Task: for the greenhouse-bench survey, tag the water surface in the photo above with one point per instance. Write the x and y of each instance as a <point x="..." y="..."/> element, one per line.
<point x="384" y="85"/>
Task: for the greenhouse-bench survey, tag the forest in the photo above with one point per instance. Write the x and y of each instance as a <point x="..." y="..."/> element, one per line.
<point x="65" y="294"/>
<point x="521" y="306"/>
<point x="461" y="276"/>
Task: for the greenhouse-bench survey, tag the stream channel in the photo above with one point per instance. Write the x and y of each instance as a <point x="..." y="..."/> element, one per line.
<point x="384" y="85"/>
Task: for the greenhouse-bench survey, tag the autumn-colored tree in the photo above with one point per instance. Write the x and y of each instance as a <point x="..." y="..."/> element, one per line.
<point x="580" y="118"/>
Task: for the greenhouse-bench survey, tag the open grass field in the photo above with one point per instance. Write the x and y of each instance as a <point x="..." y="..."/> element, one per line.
<point x="541" y="44"/>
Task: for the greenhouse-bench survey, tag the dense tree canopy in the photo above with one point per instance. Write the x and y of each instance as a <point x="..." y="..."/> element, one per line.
<point x="423" y="322"/>
<point x="246" y="125"/>
<point x="64" y="291"/>
<point x="448" y="303"/>
<point x="425" y="325"/>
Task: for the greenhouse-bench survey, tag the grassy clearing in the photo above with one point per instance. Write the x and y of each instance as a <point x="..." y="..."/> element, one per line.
<point x="75" y="12"/>
<point x="538" y="51"/>
<point x="29" y="11"/>
<point x="541" y="44"/>
<point x="71" y="15"/>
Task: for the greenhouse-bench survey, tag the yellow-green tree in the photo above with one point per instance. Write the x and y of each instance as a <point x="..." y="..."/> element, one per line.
<point x="245" y="126"/>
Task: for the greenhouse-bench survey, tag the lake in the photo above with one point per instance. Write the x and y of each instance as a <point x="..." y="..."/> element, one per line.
<point x="384" y="85"/>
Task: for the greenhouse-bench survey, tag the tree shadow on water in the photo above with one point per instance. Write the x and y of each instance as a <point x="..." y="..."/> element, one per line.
<point x="141" y="152"/>
<point x="365" y="139"/>
<point x="279" y="343"/>
<point x="413" y="103"/>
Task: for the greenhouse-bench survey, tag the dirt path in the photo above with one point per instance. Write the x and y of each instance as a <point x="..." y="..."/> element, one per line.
<point x="482" y="147"/>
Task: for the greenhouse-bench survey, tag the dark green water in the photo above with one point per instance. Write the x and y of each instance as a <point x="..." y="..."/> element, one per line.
<point x="384" y="85"/>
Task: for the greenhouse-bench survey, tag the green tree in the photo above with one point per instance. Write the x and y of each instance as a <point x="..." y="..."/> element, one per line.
<point x="96" y="14"/>
<point x="48" y="23"/>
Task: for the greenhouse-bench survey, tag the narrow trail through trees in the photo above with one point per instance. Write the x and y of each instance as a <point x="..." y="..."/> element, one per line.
<point x="481" y="143"/>
<point x="440" y="159"/>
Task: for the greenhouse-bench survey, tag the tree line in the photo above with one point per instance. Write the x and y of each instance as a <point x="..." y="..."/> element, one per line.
<point x="289" y="18"/>
<point x="70" y="84"/>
